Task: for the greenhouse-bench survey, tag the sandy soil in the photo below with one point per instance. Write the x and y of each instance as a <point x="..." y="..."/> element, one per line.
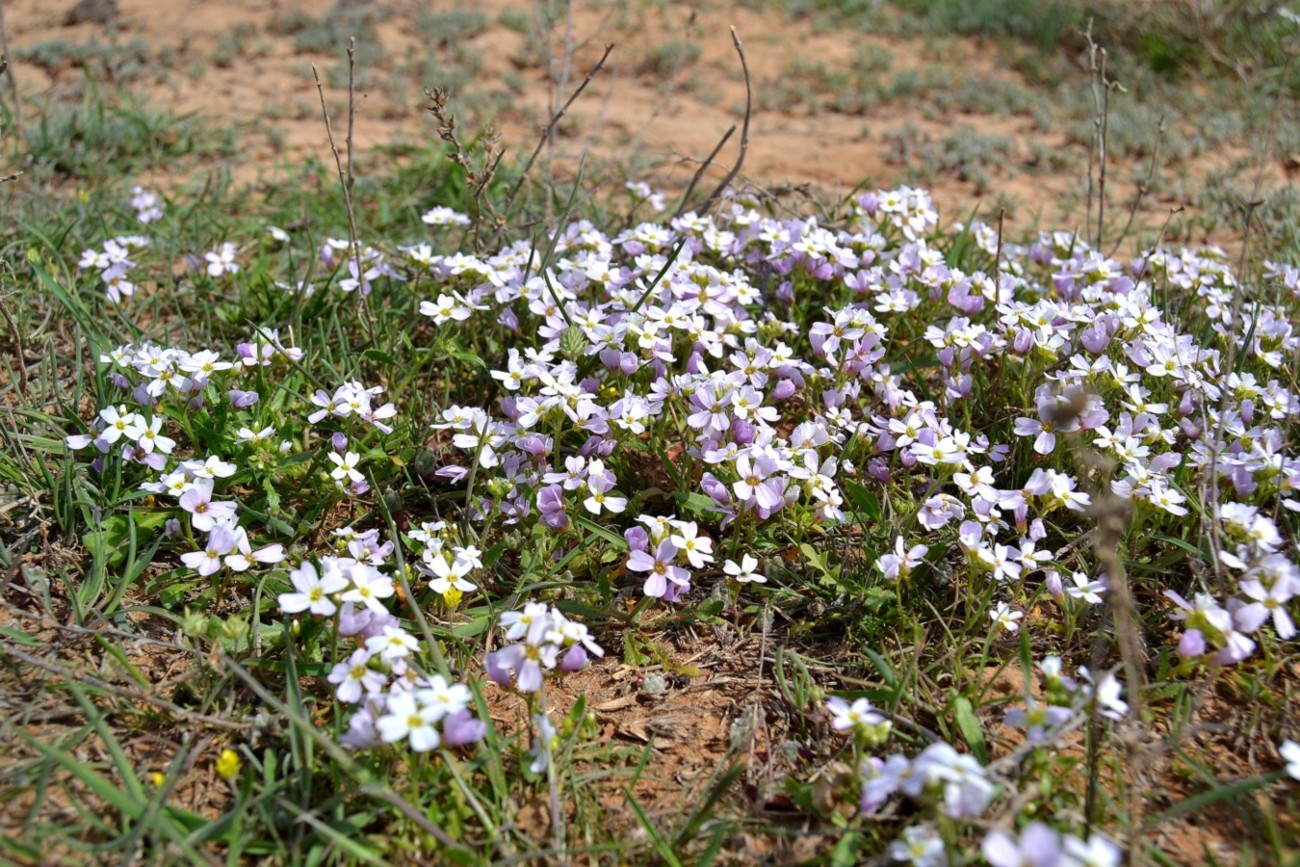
<point x="670" y="90"/>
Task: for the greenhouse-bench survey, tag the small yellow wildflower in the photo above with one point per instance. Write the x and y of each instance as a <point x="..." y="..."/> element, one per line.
<point x="452" y="596"/>
<point x="229" y="764"/>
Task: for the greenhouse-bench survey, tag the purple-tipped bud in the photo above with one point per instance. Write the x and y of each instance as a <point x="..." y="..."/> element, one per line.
<point x="878" y="469"/>
<point x="461" y="728"/>
<point x="612" y="359"/>
<point x="353" y="621"/>
<point x="508" y="318"/>
<point x="716" y="490"/>
<point x="783" y="389"/>
<point x="596" y="446"/>
<point x="1053" y="584"/>
<point x="742" y="431"/>
<point x="575" y="659"/>
<point x="496" y="671"/>
<point x="339" y="441"/>
<point x="637" y="538"/>
<point x="550" y="503"/>
<point x="1022" y="342"/>
<point x="242" y="399"/>
<point x="675" y="591"/>
<point x="1191" y="644"/>
<point x="1095" y="339"/>
<point x="535" y="445"/>
<point x="451" y="473"/>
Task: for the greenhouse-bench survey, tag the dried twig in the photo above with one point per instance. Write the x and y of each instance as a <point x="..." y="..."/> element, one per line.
<point x="477" y="180"/>
<point x="345" y="174"/>
<point x="550" y="127"/>
<point x="744" y="131"/>
<point x="699" y="173"/>
<point x="1101" y="88"/>
<point x="8" y="69"/>
<point x="1143" y="188"/>
<point x="19" y="350"/>
<point x="997" y="260"/>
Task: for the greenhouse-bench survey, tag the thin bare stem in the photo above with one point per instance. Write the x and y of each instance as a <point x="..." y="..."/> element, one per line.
<point x="744" y="131"/>
<point x="1101" y="153"/>
<point x="345" y="178"/>
<point x="704" y="166"/>
<point x="20" y="352"/>
<point x="352" y="109"/>
<point x="8" y="69"/>
<point x="550" y="127"/>
<point x="1143" y="188"/>
<point x="997" y="261"/>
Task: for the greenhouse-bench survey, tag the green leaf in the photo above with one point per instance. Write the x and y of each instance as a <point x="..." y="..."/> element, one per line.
<point x="19" y="636"/>
<point x="603" y="532"/>
<point x="697" y="504"/>
<point x="661" y="845"/>
<point x="378" y="355"/>
<point x="471" y="629"/>
<point x="865" y="501"/>
<point x="469" y="358"/>
<point x="493" y="555"/>
<point x="969" y="726"/>
<point x="1230" y="792"/>
<point x="882" y="665"/>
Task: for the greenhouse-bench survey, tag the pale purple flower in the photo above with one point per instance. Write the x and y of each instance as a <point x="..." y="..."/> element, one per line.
<point x="1038" y="846"/>
<point x="354" y="677"/>
<point x="462" y="727"/>
<point x="204" y="513"/>
<point x="221" y="541"/>
<point x="661" y="567"/>
<point x="754" y="484"/>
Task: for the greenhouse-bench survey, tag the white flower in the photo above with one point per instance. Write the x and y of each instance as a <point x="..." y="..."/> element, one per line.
<point x="1088" y="591"/>
<point x="345" y="467"/>
<point x="222" y="261"/>
<point x="447" y="575"/>
<point x="312" y="591"/>
<point x="394" y="643"/>
<point x="744" y="572"/>
<point x="918" y="847"/>
<point x="1290" y="752"/>
<point x="1003" y="615"/>
<point x="408" y="719"/>
<point x="149" y="436"/>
